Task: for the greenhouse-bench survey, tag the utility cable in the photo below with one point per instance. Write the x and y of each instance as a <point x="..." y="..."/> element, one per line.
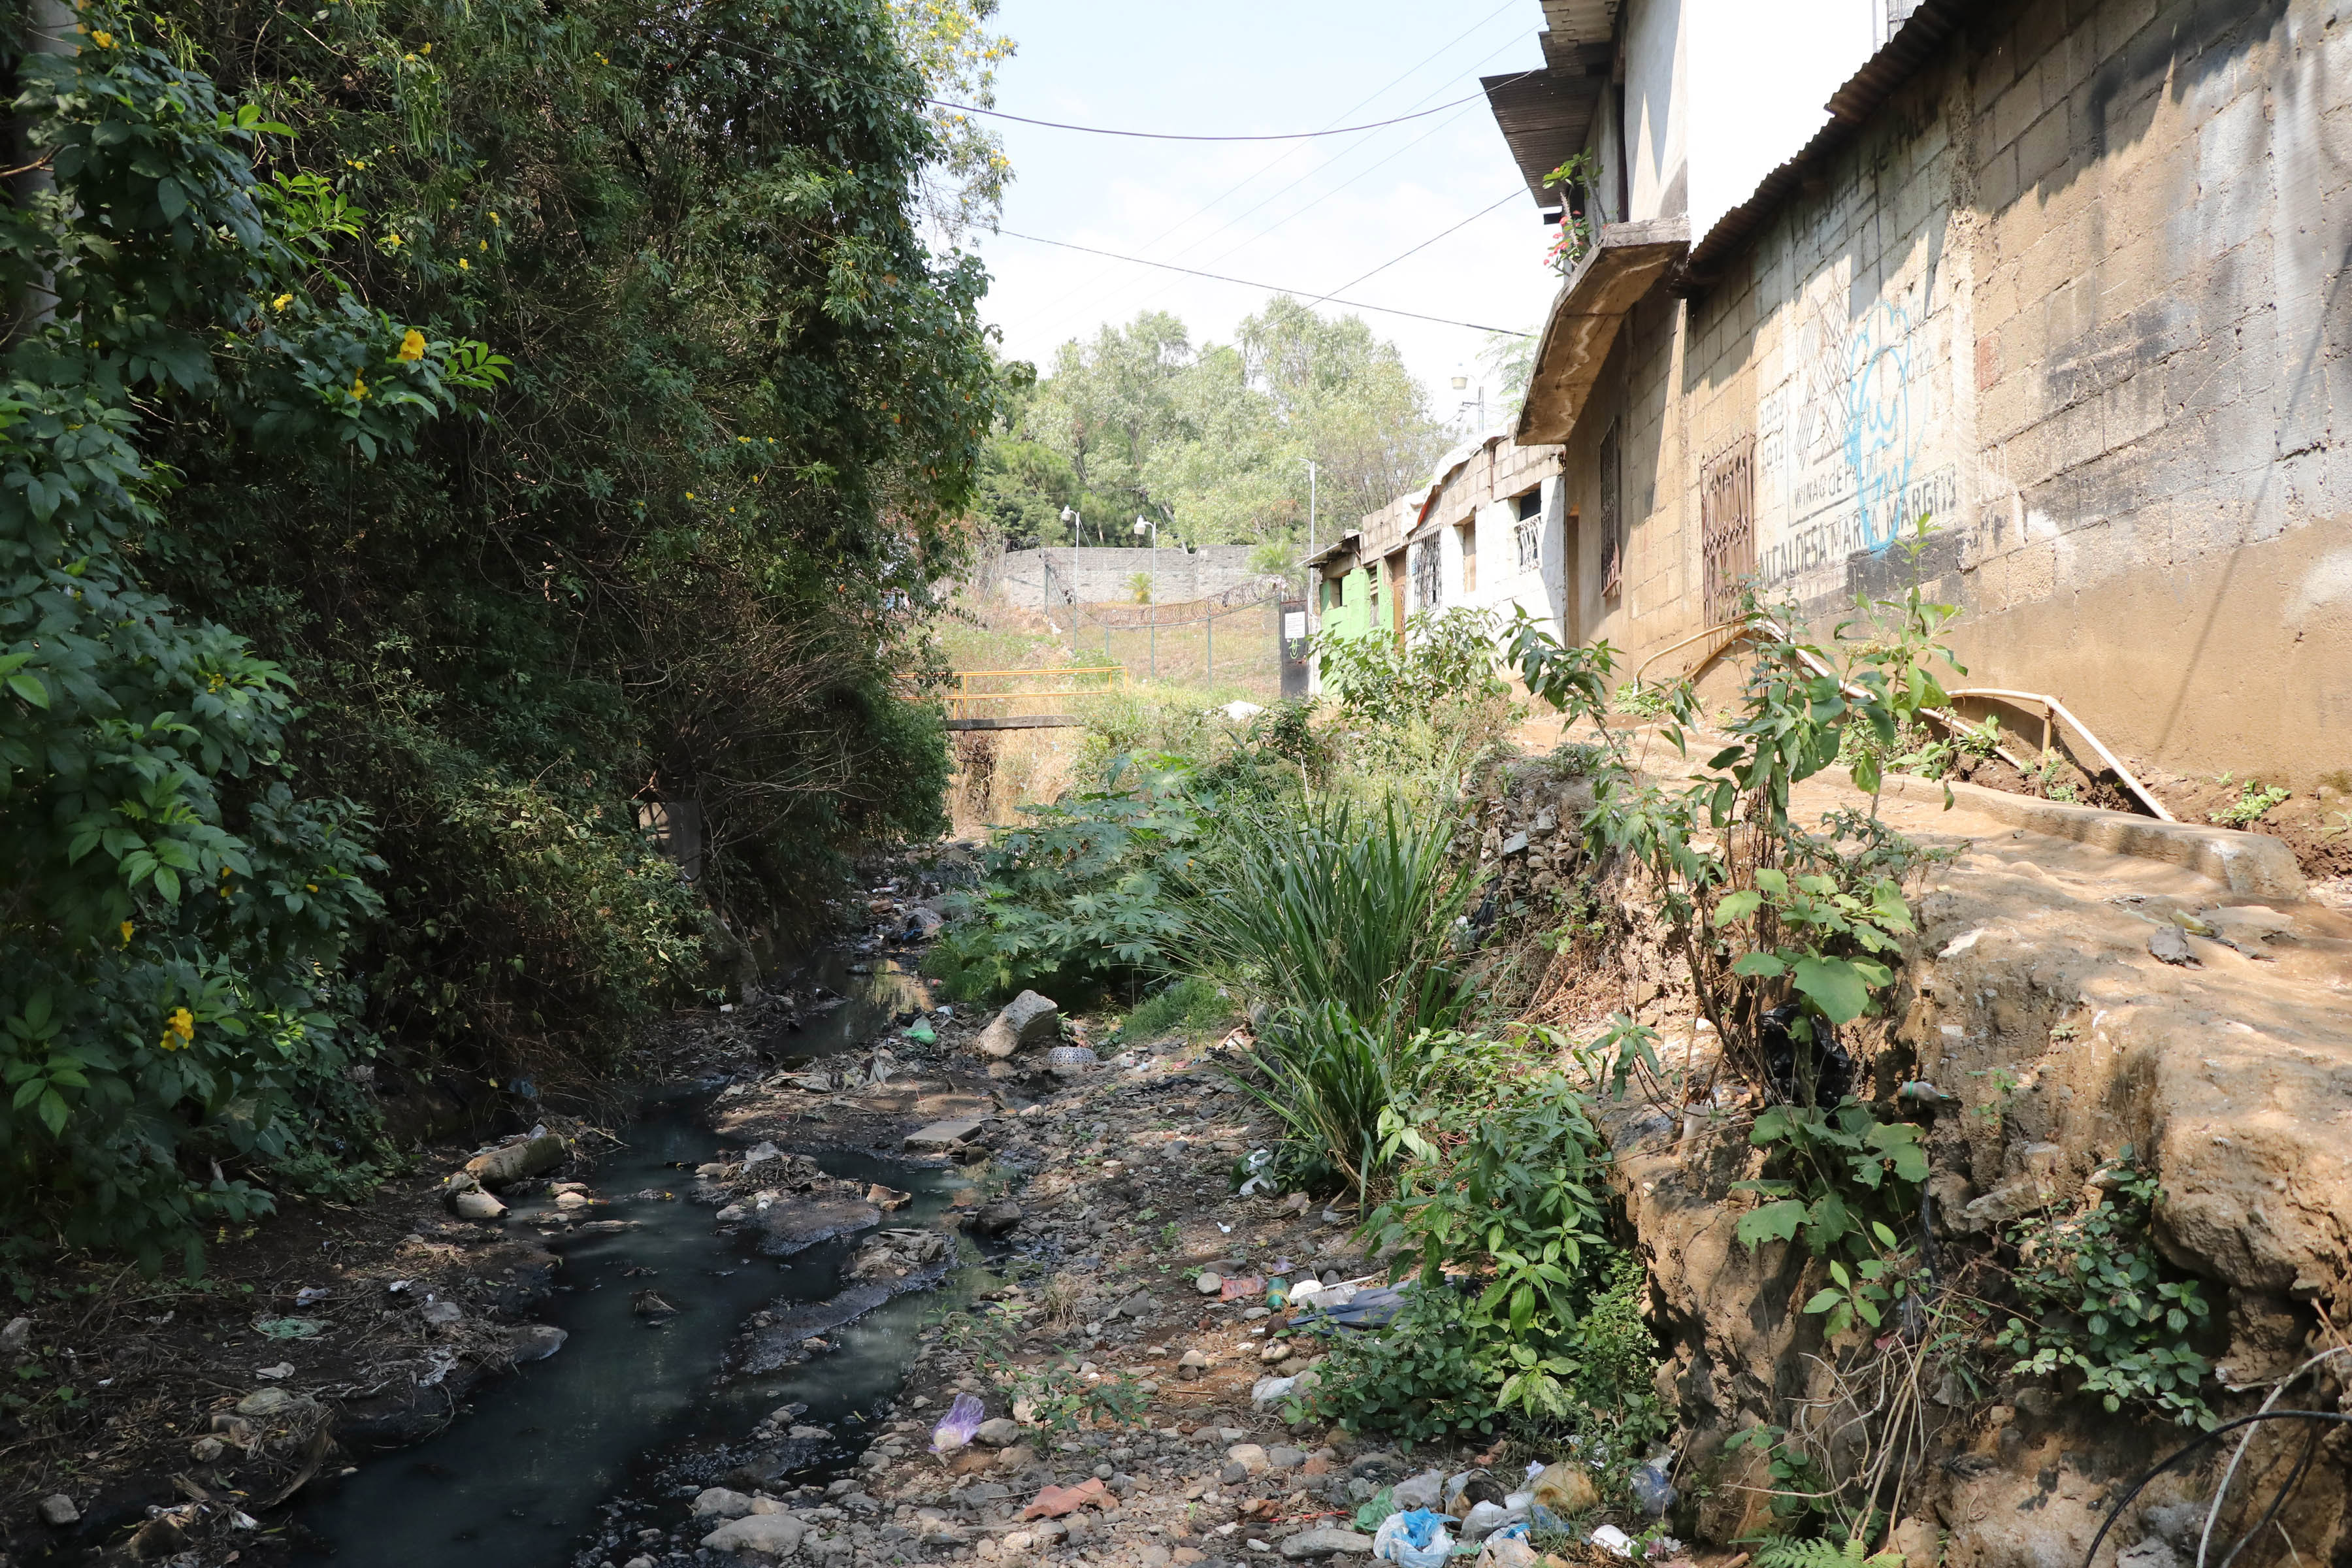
<point x="2333" y="1417"/>
<point x="1203" y="209"/>
<point x="1187" y="136"/>
<point x="1424" y="245"/>
<point x="1247" y="283"/>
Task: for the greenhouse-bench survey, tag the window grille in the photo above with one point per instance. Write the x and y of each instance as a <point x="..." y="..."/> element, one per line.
<point x="1424" y="574"/>
<point x="1727" y="502"/>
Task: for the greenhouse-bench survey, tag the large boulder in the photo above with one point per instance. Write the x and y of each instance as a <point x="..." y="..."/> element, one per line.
<point x="777" y="1534"/>
<point x="1028" y="1022"/>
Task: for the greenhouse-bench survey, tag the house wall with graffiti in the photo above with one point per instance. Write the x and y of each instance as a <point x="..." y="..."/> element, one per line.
<point x="2076" y="299"/>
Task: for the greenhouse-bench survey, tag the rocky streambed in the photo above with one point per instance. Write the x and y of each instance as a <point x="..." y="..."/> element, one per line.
<point x="726" y="1331"/>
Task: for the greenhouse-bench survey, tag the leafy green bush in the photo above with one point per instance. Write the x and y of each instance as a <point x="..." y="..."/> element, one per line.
<point x="2102" y="1305"/>
<point x="1449" y="657"/>
<point x="1082" y="895"/>
<point x="177" y="1019"/>
<point x="1538" y="1329"/>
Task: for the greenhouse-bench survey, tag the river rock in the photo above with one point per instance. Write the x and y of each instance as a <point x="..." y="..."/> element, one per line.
<point x="777" y="1534"/>
<point x="1209" y="1282"/>
<point x="476" y="1204"/>
<point x="14" y="1338"/>
<point x="264" y="1402"/>
<point x="1193" y="1364"/>
<point x="998" y="1432"/>
<point x="1419" y="1491"/>
<point x="541" y="1151"/>
<point x="719" y="1503"/>
<point x="1309" y="1544"/>
<point x="444" y="1311"/>
<point x="536" y="1341"/>
<point x="996" y="1218"/>
<point x="58" y="1510"/>
<point x="1027" y="1021"/>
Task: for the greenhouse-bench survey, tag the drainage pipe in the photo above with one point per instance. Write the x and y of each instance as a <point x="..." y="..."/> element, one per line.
<point x="2052" y="707"/>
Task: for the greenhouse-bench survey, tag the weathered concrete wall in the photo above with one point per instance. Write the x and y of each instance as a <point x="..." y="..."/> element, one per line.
<point x="1095" y="575"/>
<point x="2077" y="295"/>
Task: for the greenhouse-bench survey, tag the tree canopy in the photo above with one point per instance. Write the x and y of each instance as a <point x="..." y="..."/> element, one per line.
<point x="430" y="435"/>
<point x="1211" y="441"/>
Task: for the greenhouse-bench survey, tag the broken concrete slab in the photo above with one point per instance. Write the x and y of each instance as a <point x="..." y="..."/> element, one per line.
<point x="940" y="1137"/>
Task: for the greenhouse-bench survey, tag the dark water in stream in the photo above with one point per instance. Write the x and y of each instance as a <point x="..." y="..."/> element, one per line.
<point x="517" y="1480"/>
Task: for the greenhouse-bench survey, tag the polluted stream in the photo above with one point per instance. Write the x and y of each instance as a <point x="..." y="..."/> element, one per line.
<point x="541" y="1465"/>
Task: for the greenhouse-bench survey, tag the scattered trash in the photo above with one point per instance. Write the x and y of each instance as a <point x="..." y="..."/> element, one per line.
<point x="311" y="1293"/>
<point x="1611" y="1538"/>
<point x="288" y="1328"/>
<point x="1378" y="1507"/>
<point x="1565" y="1489"/>
<point x="1414" y="1539"/>
<point x="283" y="1369"/>
<point x="397" y="1286"/>
<point x="921" y="1030"/>
<point x="1235" y="1289"/>
<point x="1066" y="1059"/>
<point x="1258" y="1163"/>
<point x="1268" y="1390"/>
<point x="1651" y="1489"/>
<point x="1054" y="1502"/>
<point x="956" y="1427"/>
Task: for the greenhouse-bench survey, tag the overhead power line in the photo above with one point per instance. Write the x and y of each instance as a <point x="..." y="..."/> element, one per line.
<point x="1191" y="136"/>
<point x="1424" y="245"/>
<point x="1275" y="287"/>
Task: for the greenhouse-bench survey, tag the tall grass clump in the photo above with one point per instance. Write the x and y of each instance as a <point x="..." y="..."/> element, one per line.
<point x="1343" y="918"/>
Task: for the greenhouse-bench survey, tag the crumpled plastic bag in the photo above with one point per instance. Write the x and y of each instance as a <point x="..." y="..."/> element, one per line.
<point x="1416" y="1539"/>
<point x="1377" y="1507"/>
<point x="956" y="1427"/>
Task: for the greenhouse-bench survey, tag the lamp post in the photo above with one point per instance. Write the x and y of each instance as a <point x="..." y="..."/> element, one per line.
<point x="1141" y="523"/>
<point x="1077" y="522"/>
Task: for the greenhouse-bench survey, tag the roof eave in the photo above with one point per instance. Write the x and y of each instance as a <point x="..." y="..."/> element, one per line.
<point x="1625" y="262"/>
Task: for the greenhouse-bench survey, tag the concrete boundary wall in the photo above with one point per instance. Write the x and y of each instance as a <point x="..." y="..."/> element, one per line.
<point x="1097" y="575"/>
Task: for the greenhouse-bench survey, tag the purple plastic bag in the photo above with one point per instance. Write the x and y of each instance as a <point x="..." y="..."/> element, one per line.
<point x="956" y="1427"/>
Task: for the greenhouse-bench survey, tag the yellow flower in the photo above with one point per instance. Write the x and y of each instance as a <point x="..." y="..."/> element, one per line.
<point x="309" y="887"/>
<point x="179" y="1030"/>
<point x="102" y="38"/>
<point x="494" y="220"/>
<point x="126" y="933"/>
<point x="359" y="388"/>
<point x="391" y="240"/>
<point x="281" y="302"/>
<point x="463" y="266"/>
<point x="484" y="246"/>
<point x="689" y="495"/>
<point x="425" y="50"/>
<point x="412" y="347"/>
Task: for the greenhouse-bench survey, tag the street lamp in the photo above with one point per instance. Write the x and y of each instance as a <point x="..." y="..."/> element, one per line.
<point x="1077" y="524"/>
<point x="1141" y="523"/>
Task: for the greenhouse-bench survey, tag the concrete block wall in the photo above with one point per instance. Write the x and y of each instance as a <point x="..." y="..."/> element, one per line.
<point x="1098" y="576"/>
<point x="2078" y="293"/>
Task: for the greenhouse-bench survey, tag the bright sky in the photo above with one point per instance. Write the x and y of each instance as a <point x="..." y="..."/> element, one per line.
<point x="1303" y="216"/>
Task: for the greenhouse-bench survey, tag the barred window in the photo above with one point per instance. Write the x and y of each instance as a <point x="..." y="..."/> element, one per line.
<point x="1424" y="574"/>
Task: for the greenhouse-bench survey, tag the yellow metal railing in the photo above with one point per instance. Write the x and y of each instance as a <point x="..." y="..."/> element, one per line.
<point x="963" y="700"/>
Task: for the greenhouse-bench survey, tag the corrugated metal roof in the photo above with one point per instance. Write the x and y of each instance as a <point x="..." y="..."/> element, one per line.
<point x="1911" y="46"/>
<point x="1582" y="21"/>
<point x="1546" y="117"/>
